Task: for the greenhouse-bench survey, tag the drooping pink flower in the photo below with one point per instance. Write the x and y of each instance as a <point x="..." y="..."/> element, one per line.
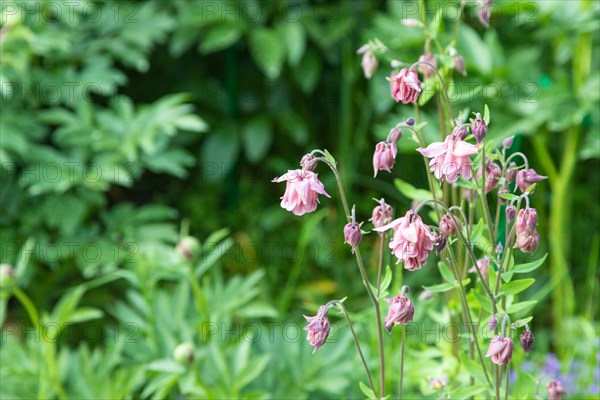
<point x="492" y="175"/>
<point x="384" y="157"/>
<point x="301" y="191"/>
<point x="511" y="172"/>
<point x="450" y="158"/>
<point x="401" y="311"/>
<point x="382" y="214"/>
<point x="555" y="390"/>
<point x="352" y="232"/>
<point x="318" y="328"/>
<point x="500" y="350"/>
<point x="459" y="63"/>
<point x="369" y="62"/>
<point x="492" y="323"/>
<point x="527" y="177"/>
<point x="526" y="230"/>
<point x="412" y="240"/>
<point x="447" y="225"/>
<point x="395" y="135"/>
<point x="405" y="86"/>
<point x="425" y="69"/>
<point x="511" y="211"/>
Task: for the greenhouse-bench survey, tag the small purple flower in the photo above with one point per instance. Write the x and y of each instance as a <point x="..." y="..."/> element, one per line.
<point x="318" y="328"/>
<point x="410" y="121"/>
<point x="508" y="142"/>
<point x="447" y="225"/>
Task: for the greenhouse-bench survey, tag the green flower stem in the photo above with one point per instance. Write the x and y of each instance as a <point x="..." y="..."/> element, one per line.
<point x="484" y="203"/>
<point x="50" y="351"/>
<point x="380" y="266"/>
<point x="402" y="362"/>
<point x="356" y="342"/>
<point x="365" y="279"/>
<point x="467" y="312"/>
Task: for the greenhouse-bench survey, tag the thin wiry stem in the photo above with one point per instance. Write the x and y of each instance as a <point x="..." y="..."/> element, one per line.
<point x="402" y="362"/>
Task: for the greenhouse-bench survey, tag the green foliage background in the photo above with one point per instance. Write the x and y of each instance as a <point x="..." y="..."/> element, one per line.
<point x="127" y="125"/>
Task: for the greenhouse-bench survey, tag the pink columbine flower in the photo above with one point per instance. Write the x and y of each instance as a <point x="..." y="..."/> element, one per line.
<point x="425" y="69"/>
<point x="511" y="172"/>
<point x="527" y="236"/>
<point x="382" y="214"/>
<point x="395" y="135"/>
<point x="301" y="191"/>
<point x="500" y="350"/>
<point x="511" y="211"/>
<point x="555" y="390"/>
<point x="492" y="174"/>
<point x="384" y="157"/>
<point x="405" y="86"/>
<point x="450" y="158"/>
<point x="318" y="328"/>
<point x="369" y="62"/>
<point x="527" y="177"/>
<point x="401" y="311"/>
<point x="412" y="240"/>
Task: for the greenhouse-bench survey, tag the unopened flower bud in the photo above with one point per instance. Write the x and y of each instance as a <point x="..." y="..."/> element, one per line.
<point x="447" y="225"/>
<point x="410" y="121"/>
<point x="384" y="157"/>
<point x="499" y="248"/>
<point x="439" y="243"/>
<point x="483" y="264"/>
<point x="511" y="211"/>
<point x="492" y="175"/>
<point x="382" y="214"/>
<point x="460" y="131"/>
<point x="555" y="390"/>
<point x="352" y="235"/>
<point x="401" y="311"/>
<point x="425" y="69"/>
<point x="484" y="12"/>
<point x="184" y="353"/>
<point x="369" y="62"/>
<point x="395" y="135"/>
<point x="307" y="162"/>
<point x="7" y="276"/>
<point x="511" y="172"/>
<point x="508" y="142"/>
<point x="527" y="177"/>
<point x="526" y="340"/>
<point x="459" y="63"/>
<point x="492" y="323"/>
<point x="479" y="128"/>
<point x="500" y="350"/>
<point x="318" y="328"/>
<point x="188" y="248"/>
